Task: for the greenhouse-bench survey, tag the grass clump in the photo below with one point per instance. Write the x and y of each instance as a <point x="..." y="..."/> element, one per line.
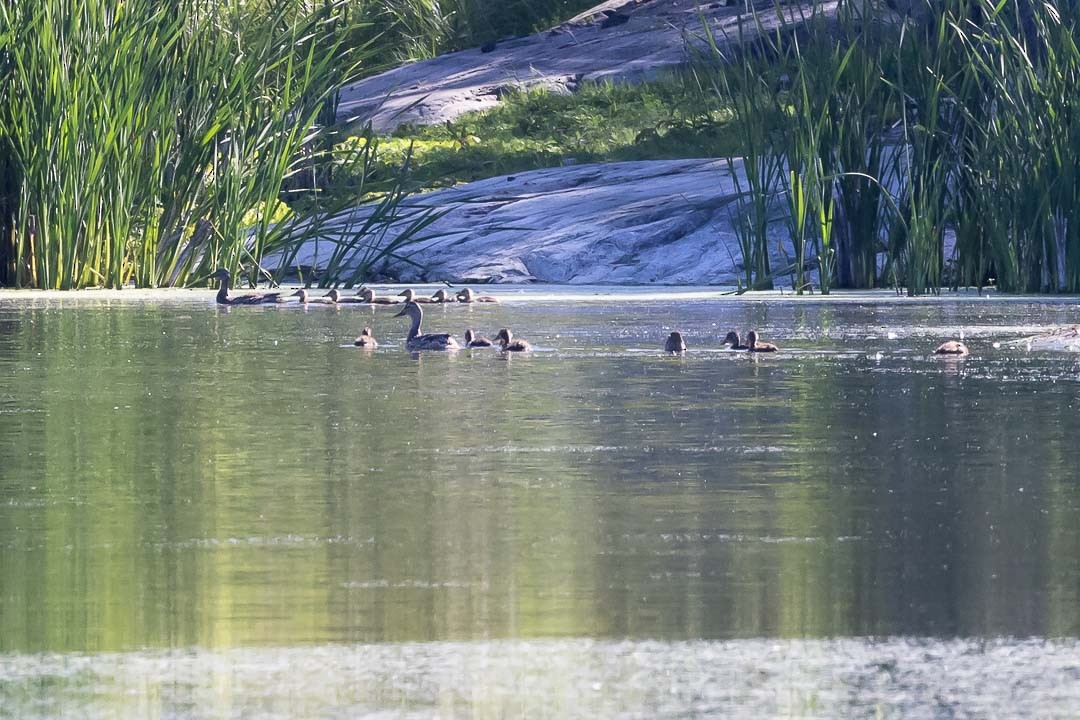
<point x="531" y="129"/>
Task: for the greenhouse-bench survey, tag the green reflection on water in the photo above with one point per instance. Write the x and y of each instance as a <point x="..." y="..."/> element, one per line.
<point x="178" y="475"/>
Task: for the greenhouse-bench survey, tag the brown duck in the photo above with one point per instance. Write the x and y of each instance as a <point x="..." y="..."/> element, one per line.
<point x="507" y="343"/>
<point x="754" y="346"/>
<point x="223" y="292"/>
<point x="366" y="340"/>
<point x="468" y="296"/>
<point x="954" y="348"/>
<point x="675" y="343"/>
<point x="411" y="297"/>
<point x="367" y="295"/>
<point x="736" y="343"/>
<point x="474" y="341"/>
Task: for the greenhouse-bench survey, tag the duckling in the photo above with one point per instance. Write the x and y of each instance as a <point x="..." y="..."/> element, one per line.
<point x="223" y="292"/>
<point x="754" y="346"/>
<point x="952" y="347"/>
<point x="307" y="300"/>
<point x="507" y="343"/>
<point x="431" y="341"/>
<point x="411" y="297"/>
<point x="366" y="340"/>
<point x="441" y="296"/>
<point x="675" y="343"/>
<point x="367" y="295"/>
<point x="468" y="296"/>
<point x="736" y="343"/>
<point x="336" y="297"/>
<point x="474" y="341"/>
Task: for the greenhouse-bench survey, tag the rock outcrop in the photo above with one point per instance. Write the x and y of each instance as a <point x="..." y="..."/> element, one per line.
<point x="671" y="222"/>
<point x="626" y="40"/>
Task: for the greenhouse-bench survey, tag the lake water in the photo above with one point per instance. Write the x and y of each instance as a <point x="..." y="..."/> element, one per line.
<point x="231" y="513"/>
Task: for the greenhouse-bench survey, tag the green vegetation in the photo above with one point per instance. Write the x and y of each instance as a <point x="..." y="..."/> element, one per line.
<point x="670" y="118"/>
<point x="886" y="133"/>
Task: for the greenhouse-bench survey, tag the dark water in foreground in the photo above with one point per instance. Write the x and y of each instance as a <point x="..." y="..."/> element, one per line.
<point x="211" y="513"/>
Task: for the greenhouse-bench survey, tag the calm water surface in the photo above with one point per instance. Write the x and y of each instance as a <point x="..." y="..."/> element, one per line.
<point x="214" y="512"/>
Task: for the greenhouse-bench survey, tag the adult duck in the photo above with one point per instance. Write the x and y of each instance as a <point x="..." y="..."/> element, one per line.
<point x="468" y="296"/>
<point x="366" y="340"/>
<point x="753" y="345"/>
<point x="732" y="339"/>
<point x="411" y="297"/>
<point x="419" y="341"/>
<point x="337" y="298"/>
<point x="367" y="295"/>
<point x="306" y="299"/>
<point x="476" y="341"/>
<point x="507" y="343"/>
<point x="441" y="296"/>
<point x="953" y="348"/>
<point x="675" y="343"/>
<point x="223" y="292"/>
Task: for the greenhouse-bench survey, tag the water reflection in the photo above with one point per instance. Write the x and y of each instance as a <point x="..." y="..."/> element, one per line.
<point x="175" y="477"/>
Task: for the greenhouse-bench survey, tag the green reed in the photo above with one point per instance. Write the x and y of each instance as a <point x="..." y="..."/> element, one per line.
<point x="155" y="141"/>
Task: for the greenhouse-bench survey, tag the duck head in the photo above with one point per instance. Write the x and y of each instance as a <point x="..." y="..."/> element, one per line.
<point x="505" y="336"/>
<point x="465" y="295"/>
<point x="408" y="294"/>
<point x="334" y="295"/>
<point x="411" y="309"/>
<point x="732" y="338"/>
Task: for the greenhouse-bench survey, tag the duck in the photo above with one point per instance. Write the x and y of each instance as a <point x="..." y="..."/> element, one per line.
<point x="507" y="343"/>
<point x="954" y="348"/>
<point x="474" y="341"/>
<point x="675" y="343"/>
<point x="366" y="340"/>
<point x="736" y="343"/>
<point x="430" y="341"/>
<point x="753" y="345"/>
<point x="336" y="297"/>
<point x="468" y="296"/>
<point x="223" y="292"/>
<point x="441" y="296"/>
<point x="411" y="297"/>
<point x="305" y="299"/>
<point x="367" y="295"/>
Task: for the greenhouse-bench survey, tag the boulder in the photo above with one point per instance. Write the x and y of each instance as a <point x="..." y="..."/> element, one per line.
<point x="671" y="222"/>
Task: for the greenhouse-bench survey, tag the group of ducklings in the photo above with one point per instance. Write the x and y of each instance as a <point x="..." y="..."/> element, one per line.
<point x="505" y="339"/>
<point x="677" y="345"/>
<point x="416" y="339"/>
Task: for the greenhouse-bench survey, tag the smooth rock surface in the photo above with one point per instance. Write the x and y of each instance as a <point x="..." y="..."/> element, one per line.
<point x="671" y="222"/>
<point x="654" y="39"/>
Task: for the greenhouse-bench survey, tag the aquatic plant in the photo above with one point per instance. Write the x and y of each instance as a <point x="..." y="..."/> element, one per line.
<point x="151" y="143"/>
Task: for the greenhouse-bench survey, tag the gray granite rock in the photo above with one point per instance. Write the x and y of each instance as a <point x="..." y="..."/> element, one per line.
<point x="671" y="222"/>
<point x="654" y="39"/>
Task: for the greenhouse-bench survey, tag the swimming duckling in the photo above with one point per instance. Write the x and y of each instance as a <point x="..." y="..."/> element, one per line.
<point x="507" y="343"/>
<point x="336" y="297"/>
<point x="441" y="296"/>
<point x="366" y="340"/>
<point x="411" y="297"/>
<point x="474" y="341"/>
<point x="223" y="292"/>
<point x="305" y="299"/>
<point x="468" y="296"/>
<point x="754" y="346"/>
<point x="675" y="343"/>
<point x="952" y="347"/>
<point x="736" y="343"/>
<point x="367" y="295"/>
<point x="431" y="341"/>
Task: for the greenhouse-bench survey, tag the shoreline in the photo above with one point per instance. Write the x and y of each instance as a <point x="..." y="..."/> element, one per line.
<point x="543" y="292"/>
